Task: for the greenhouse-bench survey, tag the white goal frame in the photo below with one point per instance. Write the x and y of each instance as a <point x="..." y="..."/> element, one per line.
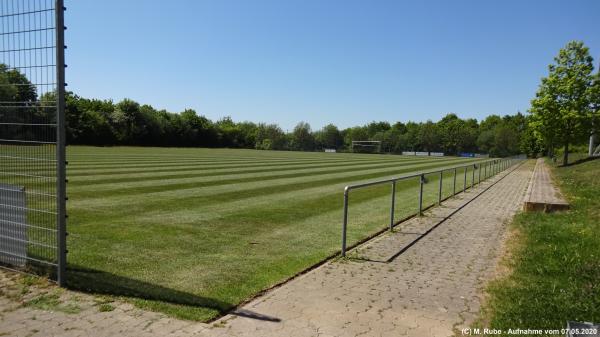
<point x="376" y="144"/>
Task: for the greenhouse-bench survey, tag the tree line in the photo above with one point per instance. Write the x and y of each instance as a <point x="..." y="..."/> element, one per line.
<point x="102" y="122"/>
<point x="105" y="123"/>
<point x="564" y="112"/>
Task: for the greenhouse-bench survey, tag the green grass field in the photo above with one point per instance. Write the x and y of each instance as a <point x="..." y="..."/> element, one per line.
<point x="194" y="232"/>
<point x="553" y="262"/>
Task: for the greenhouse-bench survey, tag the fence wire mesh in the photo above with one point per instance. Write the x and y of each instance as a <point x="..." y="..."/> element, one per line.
<point x="32" y="136"/>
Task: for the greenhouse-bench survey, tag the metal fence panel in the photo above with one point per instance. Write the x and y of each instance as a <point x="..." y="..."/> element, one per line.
<point x="468" y="182"/>
<point x="32" y="145"/>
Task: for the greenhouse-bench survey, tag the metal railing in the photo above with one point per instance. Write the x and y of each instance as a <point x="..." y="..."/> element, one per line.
<point x="487" y="168"/>
<point x="32" y="137"/>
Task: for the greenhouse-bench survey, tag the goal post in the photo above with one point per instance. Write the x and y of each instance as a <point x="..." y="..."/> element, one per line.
<point x="366" y="146"/>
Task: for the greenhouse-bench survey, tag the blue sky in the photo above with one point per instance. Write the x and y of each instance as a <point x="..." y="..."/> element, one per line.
<point x="322" y="61"/>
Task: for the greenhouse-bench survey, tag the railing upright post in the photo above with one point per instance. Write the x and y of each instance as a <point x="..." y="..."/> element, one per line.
<point x="485" y="170"/>
<point x="421" y="181"/>
<point x="479" y="174"/>
<point x="454" y="184"/>
<point x="61" y="160"/>
<point x="345" y="222"/>
<point x="440" y="188"/>
<point x="473" y="177"/>
<point x="465" y="180"/>
<point x="393" y="204"/>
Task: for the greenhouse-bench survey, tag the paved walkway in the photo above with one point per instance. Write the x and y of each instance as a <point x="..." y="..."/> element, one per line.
<point x="432" y="288"/>
<point x="542" y="194"/>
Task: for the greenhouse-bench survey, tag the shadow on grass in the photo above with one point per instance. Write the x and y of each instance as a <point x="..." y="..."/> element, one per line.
<point x="104" y="283"/>
<point x="580" y="161"/>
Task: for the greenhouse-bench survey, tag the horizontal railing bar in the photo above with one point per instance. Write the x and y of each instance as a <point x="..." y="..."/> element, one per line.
<point x="26" y="84"/>
<point x="28" y="258"/>
<point x="28" y="158"/>
<point x="29" y="124"/>
<point x="29" y="192"/>
<point x="28" y="31"/>
<point x="26" y="141"/>
<point x="27" y="106"/>
<point x="27" y="242"/>
<point x="28" y="225"/>
<point x="33" y="66"/>
<point x="414" y="175"/>
<point x="27" y="102"/>
<point x="27" y="49"/>
<point x="26" y="13"/>
<point x="27" y="175"/>
<point x="28" y="209"/>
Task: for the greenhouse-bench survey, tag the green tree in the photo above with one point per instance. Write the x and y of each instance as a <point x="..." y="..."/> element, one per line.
<point x="457" y="135"/>
<point x="375" y="127"/>
<point x="17" y="90"/>
<point x="270" y="137"/>
<point x="127" y="121"/>
<point x="506" y="141"/>
<point x="429" y="137"/>
<point x="561" y="109"/>
<point x="329" y="137"/>
<point x="412" y="137"/>
<point x="302" y="138"/>
<point x="356" y="133"/>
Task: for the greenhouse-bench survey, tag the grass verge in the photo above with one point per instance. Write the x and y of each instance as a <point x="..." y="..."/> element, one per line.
<point x="554" y="264"/>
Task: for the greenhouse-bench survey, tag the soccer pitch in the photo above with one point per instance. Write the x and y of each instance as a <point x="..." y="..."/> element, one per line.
<point x="194" y="232"/>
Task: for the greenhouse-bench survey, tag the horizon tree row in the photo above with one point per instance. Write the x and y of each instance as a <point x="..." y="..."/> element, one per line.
<point x="563" y="113"/>
<point x="104" y="123"/>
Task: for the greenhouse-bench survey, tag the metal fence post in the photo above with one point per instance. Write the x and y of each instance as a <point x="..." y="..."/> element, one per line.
<point x="393" y="204"/>
<point x="485" y="170"/>
<point x="421" y="180"/>
<point x="479" y="173"/>
<point x="440" y="188"/>
<point x="454" y="184"/>
<point x="345" y="222"/>
<point x="473" y="178"/>
<point x="465" y="180"/>
<point x="61" y="161"/>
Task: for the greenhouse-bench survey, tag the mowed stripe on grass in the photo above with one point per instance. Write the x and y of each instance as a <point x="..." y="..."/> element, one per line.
<point x="194" y="232"/>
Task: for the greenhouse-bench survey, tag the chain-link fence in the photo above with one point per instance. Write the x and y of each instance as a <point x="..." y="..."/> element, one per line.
<point x="32" y="148"/>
